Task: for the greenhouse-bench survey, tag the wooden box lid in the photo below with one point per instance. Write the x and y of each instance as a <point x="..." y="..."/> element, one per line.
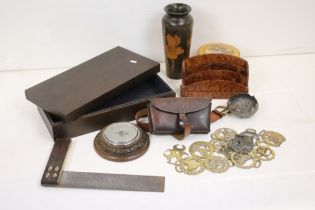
<point x="78" y="90"/>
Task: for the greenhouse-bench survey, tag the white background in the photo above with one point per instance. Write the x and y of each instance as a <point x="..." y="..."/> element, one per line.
<point x="44" y="38"/>
<point x="63" y="33"/>
<point x="284" y="87"/>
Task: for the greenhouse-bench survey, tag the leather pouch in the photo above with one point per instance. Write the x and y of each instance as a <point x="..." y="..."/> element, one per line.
<point x="177" y="116"/>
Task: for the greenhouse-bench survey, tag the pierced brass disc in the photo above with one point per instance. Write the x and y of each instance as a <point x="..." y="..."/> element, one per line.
<point x="201" y="149"/>
<point x="273" y="138"/>
<point x="190" y="166"/>
<point x="217" y="164"/>
<point x="220" y="146"/>
<point x="264" y="153"/>
<point x="224" y="134"/>
<point x="238" y="159"/>
<point x="245" y="161"/>
<point x="262" y="143"/>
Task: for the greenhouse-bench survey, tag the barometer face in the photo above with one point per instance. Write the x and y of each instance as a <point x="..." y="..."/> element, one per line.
<point x="121" y="133"/>
<point x="121" y="141"/>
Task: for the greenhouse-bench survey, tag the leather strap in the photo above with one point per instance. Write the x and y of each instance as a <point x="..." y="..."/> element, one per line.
<point x="140" y="114"/>
<point x="216" y="115"/>
<point x="187" y="126"/>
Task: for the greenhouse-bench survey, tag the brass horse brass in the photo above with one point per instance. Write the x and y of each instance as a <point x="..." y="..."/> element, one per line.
<point x="226" y="149"/>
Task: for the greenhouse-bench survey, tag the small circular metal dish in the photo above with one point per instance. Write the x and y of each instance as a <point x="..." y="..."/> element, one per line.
<point x="121" y="141"/>
<point x="242" y="105"/>
<point x="218" y="48"/>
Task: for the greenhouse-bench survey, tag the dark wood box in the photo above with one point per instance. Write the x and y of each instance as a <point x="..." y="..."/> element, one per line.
<point x="120" y="105"/>
<point x="80" y="89"/>
<point x="120" y="108"/>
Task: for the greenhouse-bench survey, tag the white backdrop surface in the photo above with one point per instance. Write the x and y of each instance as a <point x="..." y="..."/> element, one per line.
<point x="284" y="87"/>
<point x="37" y="35"/>
<point x="62" y="33"/>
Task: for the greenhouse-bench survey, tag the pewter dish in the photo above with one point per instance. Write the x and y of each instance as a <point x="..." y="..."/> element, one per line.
<point x="242" y="105"/>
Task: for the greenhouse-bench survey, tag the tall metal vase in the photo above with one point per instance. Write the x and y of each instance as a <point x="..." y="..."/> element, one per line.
<point x="177" y="26"/>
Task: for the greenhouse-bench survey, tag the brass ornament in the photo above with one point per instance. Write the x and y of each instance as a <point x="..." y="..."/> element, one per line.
<point x="225" y="149"/>
<point x="262" y="143"/>
<point x="238" y="159"/>
<point x="273" y="138"/>
<point x="173" y="155"/>
<point x="264" y="153"/>
<point x="201" y="149"/>
<point x="217" y="164"/>
<point x="224" y="134"/>
<point x="220" y="146"/>
<point x="218" y="48"/>
<point x="245" y="161"/>
<point x="190" y="166"/>
<point x="179" y="147"/>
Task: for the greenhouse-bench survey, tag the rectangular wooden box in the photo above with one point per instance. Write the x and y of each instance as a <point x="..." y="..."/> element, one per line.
<point x="80" y="89"/>
<point x="121" y="108"/>
<point x="109" y="88"/>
